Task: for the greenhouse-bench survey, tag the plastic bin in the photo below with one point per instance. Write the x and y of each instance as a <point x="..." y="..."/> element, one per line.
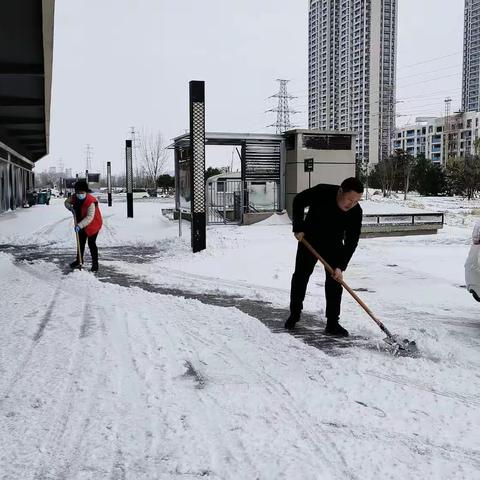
<point x="43" y="198"/>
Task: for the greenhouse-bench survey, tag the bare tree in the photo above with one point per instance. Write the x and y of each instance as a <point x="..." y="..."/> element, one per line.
<point x="153" y="156"/>
<point x="387" y="169"/>
<point x="407" y="163"/>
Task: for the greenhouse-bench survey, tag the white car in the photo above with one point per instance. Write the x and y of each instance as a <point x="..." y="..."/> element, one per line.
<point x="140" y="193"/>
<point x="137" y="193"/>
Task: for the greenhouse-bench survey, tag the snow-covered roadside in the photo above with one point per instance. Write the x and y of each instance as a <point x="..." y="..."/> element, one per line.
<point x="100" y="381"/>
<point x="53" y="224"/>
<point x="458" y="211"/>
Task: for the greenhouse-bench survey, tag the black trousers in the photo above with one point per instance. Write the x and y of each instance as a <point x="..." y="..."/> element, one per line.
<point x="304" y="265"/>
<point x="92" y="245"/>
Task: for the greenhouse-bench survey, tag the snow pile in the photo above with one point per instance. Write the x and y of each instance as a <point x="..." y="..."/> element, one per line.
<point x="275" y="219"/>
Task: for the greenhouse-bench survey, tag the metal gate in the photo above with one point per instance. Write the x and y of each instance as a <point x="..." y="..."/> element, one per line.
<point x="224" y="201"/>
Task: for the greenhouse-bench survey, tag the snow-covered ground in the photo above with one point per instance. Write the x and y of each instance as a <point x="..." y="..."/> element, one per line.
<point x="101" y="381"/>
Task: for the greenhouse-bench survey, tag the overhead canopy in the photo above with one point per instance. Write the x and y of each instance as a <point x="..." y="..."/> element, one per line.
<point x="26" y="48"/>
<point x="222" y="138"/>
<point x="260" y="154"/>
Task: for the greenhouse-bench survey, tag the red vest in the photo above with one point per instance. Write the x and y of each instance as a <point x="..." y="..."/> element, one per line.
<point x="96" y="224"/>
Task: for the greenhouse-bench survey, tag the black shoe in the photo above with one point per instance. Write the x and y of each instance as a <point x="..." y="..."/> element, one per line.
<point x="336" y="329"/>
<point x="291" y="321"/>
<point x="75" y="264"/>
<point x="94" y="267"/>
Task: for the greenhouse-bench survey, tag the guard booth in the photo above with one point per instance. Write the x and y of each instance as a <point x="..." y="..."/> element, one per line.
<point x="274" y="168"/>
<point x="316" y="156"/>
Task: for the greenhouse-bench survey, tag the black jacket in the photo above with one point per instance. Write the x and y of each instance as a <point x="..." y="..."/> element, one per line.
<point x="326" y="226"/>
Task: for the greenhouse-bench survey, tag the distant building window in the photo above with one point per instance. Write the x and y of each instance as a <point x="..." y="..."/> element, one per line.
<point x="439" y="129"/>
<point x="327" y="142"/>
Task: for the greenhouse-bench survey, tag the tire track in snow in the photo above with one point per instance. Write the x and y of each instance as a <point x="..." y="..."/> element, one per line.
<point x="400" y="380"/>
<point x="76" y="403"/>
<point x="118" y="468"/>
<point x="48" y="315"/>
<point x="21" y="369"/>
<point x="135" y="404"/>
<point x="48" y="229"/>
<point x="277" y="392"/>
<point x="229" y="453"/>
<point x="158" y="385"/>
<point x="87" y="326"/>
<point x="417" y="444"/>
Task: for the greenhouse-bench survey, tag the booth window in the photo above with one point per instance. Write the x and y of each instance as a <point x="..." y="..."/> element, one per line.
<point x="326" y="142"/>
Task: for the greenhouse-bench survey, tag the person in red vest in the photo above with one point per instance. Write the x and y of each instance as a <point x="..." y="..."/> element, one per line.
<point x="89" y="221"/>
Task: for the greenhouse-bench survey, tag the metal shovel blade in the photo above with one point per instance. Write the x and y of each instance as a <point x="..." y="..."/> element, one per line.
<point x="401" y="344"/>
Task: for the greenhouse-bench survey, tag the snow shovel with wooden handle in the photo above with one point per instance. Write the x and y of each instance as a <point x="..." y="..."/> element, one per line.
<point x="79" y="253"/>
<point x="394" y="340"/>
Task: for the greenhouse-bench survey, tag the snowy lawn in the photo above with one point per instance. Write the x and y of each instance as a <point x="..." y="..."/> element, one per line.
<point x="99" y="381"/>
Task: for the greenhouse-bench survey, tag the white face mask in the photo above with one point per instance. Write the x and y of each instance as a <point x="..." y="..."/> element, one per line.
<point x="81" y="196"/>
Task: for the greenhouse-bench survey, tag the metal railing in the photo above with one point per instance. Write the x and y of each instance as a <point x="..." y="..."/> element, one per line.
<point x="403" y="219"/>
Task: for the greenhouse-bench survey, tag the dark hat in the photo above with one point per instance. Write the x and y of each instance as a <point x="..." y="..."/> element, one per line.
<point x="81" y="186"/>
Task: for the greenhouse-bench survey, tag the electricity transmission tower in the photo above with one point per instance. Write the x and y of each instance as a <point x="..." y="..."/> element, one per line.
<point x="283" y="111"/>
<point x="88" y="154"/>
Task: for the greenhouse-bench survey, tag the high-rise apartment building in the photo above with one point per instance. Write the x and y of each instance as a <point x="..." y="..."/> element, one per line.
<point x="471" y="57"/>
<point x="351" y="70"/>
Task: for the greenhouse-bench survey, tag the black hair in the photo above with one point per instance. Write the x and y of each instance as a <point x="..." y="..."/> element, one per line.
<point x="352" y="184"/>
<point x="81" y="186"/>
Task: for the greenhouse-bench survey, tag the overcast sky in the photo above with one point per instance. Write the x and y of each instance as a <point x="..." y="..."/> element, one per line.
<point x="124" y="63"/>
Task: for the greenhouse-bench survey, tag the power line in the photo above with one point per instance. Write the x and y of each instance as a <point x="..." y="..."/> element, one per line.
<point x="431" y="93"/>
<point x="428" y="98"/>
<point x="430" y="60"/>
<point x="426" y="81"/>
<point x="430" y="71"/>
<point x="424" y="105"/>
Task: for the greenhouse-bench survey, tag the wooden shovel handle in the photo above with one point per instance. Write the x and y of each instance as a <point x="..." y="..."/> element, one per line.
<point x="79" y="253"/>
<point x="346" y="287"/>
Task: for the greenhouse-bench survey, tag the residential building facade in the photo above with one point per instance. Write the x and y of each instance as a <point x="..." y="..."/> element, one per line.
<point x="351" y="69"/>
<point x="471" y="57"/>
<point x="439" y="138"/>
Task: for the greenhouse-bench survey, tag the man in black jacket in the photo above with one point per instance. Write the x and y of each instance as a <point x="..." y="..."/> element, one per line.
<point x="332" y="226"/>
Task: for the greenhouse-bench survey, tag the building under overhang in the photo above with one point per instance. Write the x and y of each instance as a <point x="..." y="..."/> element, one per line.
<point x="26" y="51"/>
<point x="283" y="164"/>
